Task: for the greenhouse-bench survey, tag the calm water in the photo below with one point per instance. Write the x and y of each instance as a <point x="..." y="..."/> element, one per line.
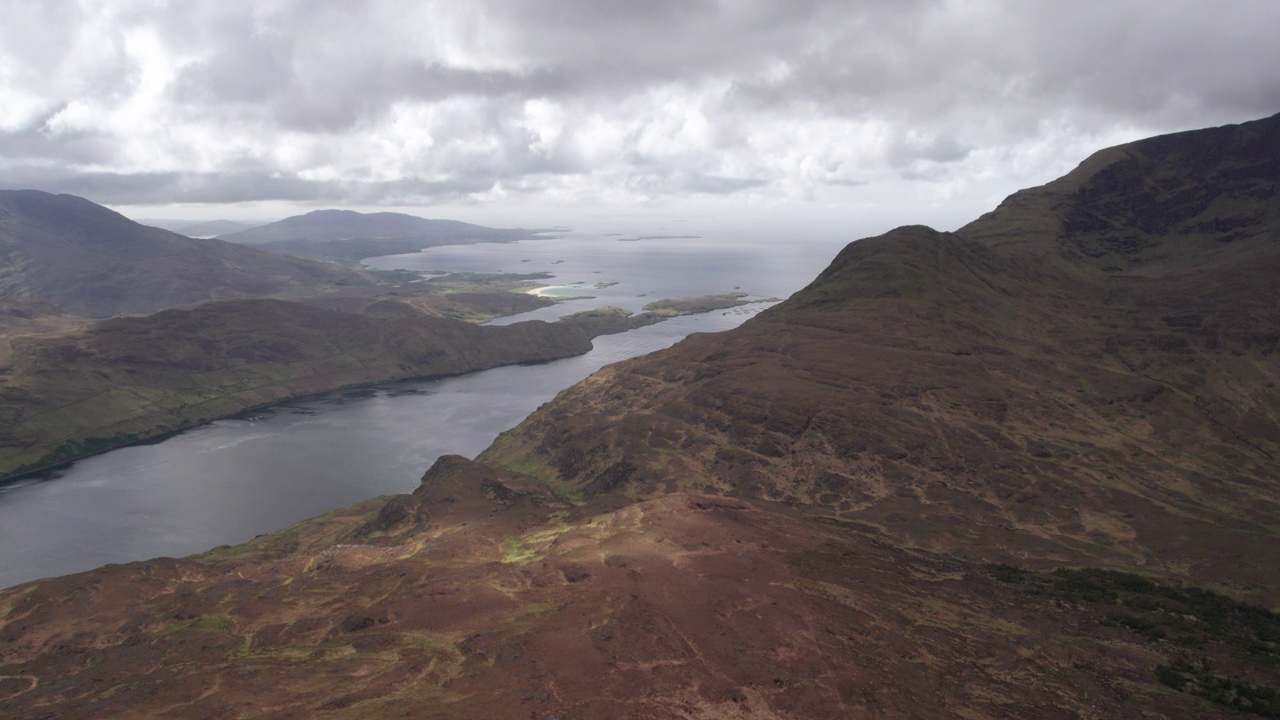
<point x="227" y="481"/>
<point x="631" y="274"/>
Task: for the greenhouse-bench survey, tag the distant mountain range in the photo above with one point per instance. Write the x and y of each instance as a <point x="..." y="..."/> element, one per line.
<point x="348" y="236"/>
<point x="213" y="228"/>
<point x="93" y="262"/>
<point x="1028" y="469"/>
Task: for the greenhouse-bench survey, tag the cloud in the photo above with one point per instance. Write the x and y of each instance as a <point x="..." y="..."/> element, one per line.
<point x="717" y="185"/>
<point x="576" y="103"/>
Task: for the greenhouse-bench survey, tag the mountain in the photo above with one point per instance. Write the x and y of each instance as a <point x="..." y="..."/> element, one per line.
<point x="348" y="236"/>
<point x="1086" y="375"/>
<point x="1026" y="469"/>
<point x="92" y="262"/>
<point x="213" y="228"/>
<point x="320" y="225"/>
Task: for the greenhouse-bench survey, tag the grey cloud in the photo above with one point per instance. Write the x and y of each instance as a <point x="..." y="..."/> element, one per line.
<point x="266" y="81"/>
<point x="1116" y="60"/>
<point x="945" y="80"/>
<point x="719" y="185"/>
<point x="939" y="149"/>
<point x="31" y="143"/>
<point x="218" y="188"/>
<point x="565" y="49"/>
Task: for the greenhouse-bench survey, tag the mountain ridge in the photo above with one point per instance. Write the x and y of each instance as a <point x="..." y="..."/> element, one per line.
<point x="91" y="261"/>
<point x="1027" y="469"/>
<point x="349" y="236"/>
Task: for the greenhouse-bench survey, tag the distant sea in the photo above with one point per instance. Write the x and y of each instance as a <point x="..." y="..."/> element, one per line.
<point x="227" y="481"/>
<point x="625" y="272"/>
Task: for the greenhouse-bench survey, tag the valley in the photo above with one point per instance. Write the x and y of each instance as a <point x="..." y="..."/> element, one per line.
<point x="1023" y="469"/>
<point x="71" y="388"/>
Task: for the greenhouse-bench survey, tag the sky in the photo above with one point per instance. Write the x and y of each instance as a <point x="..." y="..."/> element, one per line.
<point x="852" y="114"/>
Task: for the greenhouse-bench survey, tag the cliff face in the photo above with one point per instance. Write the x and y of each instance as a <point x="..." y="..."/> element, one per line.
<point x="858" y="504"/>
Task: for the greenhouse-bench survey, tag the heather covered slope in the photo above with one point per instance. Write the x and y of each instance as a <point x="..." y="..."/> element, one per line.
<point x="92" y="262"/>
<point x="797" y="518"/>
<point x="483" y="594"/>
<point x="1155" y="207"/>
<point x="993" y="394"/>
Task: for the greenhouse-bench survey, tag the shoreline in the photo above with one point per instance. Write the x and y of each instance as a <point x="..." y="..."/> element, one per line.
<point x="14" y="478"/>
<point x="545" y="291"/>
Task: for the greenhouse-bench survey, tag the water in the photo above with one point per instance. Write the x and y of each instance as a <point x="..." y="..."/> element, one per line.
<point x="225" y="482"/>
<point x="633" y="273"/>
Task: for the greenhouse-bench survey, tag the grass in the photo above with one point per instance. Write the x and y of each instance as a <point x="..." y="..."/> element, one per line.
<point x="75" y="449"/>
<point x="1198" y="678"/>
<point x="520" y="549"/>
<point x="500" y="453"/>
<point x="206" y="623"/>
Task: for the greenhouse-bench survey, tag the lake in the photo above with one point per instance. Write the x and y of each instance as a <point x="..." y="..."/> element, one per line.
<point x="227" y="481"/>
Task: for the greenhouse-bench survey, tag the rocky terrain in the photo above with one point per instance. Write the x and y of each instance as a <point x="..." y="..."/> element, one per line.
<point x="1027" y="469"/>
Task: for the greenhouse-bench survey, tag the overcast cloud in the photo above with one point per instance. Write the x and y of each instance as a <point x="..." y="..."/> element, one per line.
<point x="901" y="110"/>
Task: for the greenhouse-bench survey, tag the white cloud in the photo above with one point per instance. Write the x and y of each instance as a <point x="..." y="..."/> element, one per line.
<point x="938" y="107"/>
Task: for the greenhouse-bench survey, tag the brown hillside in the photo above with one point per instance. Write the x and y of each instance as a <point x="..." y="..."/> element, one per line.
<point x="990" y="393"/>
<point x="799" y="518"/>
<point x="485" y="595"/>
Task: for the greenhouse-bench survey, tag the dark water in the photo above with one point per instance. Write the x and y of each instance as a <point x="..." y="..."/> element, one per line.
<point x="227" y="481"/>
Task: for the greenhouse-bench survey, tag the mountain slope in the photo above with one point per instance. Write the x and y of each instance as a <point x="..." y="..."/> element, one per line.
<point x="483" y="595"/>
<point x="127" y="379"/>
<point x="345" y="224"/>
<point x="213" y="228"/>
<point x="1164" y="205"/>
<point x="796" y="518"/>
<point x="994" y="393"/>
<point x="90" y="261"/>
<point x="84" y="390"/>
